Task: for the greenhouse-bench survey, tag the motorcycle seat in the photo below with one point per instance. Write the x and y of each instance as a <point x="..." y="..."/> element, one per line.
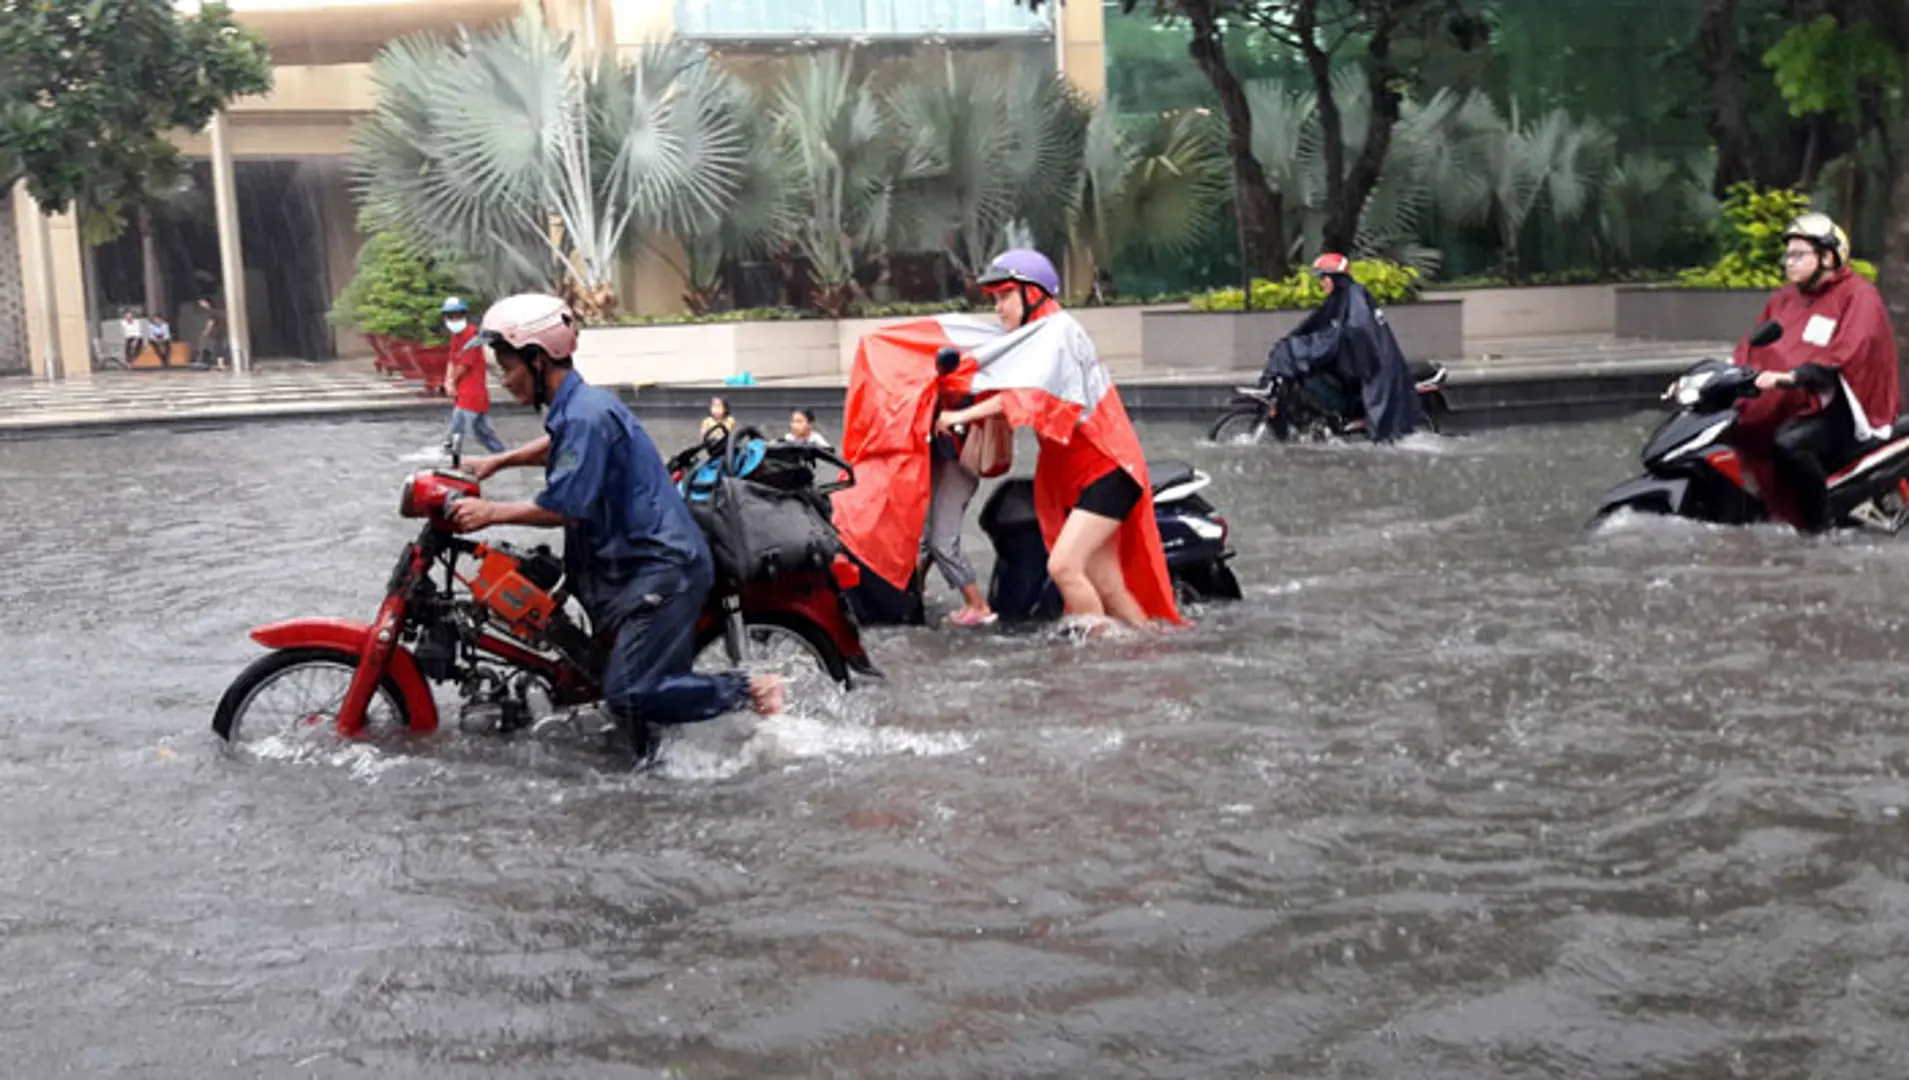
<point x="1168" y="473"/>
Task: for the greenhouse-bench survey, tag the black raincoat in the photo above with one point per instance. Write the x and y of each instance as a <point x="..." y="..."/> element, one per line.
<point x="1347" y="337"/>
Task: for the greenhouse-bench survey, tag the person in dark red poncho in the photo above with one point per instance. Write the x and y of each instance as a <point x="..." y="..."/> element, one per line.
<point x="1829" y="383"/>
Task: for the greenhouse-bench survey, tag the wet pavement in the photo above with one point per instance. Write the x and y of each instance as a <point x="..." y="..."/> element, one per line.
<point x="1456" y="793"/>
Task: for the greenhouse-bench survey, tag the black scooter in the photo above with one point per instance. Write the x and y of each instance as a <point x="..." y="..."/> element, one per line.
<point x="1192" y="534"/>
<point x="1691" y="470"/>
<point x="1315" y="409"/>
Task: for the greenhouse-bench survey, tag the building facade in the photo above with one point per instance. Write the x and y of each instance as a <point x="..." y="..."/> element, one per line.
<point x="267" y="230"/>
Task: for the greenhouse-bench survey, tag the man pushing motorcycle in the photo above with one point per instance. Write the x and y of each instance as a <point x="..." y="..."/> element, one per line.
<point x="1829" y="384"/>
<point x="633" y="555"/>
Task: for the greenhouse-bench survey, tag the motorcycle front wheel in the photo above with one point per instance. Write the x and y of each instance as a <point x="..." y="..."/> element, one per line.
<point x="1248" y="424"/>
<point x="295" y="693"/>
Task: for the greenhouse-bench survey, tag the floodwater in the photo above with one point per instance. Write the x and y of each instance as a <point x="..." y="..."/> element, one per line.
<point x="1456" y="793"/>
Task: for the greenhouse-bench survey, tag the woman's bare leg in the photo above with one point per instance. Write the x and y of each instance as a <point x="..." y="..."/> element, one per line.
<point x="1110" y="581"/>
<point x="1081" y="537"/>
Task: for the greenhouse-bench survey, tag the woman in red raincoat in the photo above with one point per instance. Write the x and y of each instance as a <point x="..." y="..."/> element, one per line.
<point x="1084" y="559"/>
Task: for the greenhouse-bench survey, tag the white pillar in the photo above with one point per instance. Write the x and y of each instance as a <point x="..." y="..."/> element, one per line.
<point x="231" y="264"/>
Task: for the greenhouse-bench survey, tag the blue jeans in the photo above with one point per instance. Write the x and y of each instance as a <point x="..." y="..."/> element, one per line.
<point x="647" y="679"/>
<point x="468" y="423"/>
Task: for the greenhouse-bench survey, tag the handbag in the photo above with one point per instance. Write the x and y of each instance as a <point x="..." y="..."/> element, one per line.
<point x="988" y="451"/>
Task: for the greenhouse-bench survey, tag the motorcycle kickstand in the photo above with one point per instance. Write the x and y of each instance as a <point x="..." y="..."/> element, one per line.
<point x="733" y="629"/>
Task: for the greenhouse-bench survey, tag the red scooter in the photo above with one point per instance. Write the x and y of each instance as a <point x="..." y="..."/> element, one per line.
<point x="494" y="624"/>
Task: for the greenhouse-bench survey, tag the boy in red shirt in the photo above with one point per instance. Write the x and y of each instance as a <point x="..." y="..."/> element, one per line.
<point x="470" y="382"/>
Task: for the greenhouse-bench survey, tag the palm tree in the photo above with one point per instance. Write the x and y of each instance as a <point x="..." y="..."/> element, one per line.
<point x="985" y="142"/>
<point x="1553" y="160"/>
<point x="530" y="168"/>
<point x="829" y="127"/>
<point x="1153" y="185"/>
<point x="1288" y="141"/>
<point x="763" y="210"/>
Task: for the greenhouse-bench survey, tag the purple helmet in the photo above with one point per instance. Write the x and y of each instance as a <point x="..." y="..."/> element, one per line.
<point x="1025" y="266"/>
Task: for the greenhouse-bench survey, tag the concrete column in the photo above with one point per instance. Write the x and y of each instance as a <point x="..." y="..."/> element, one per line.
<point x="1080" y="53"/>
<point x="59" y="344"/>
<point x="225" y="205"/>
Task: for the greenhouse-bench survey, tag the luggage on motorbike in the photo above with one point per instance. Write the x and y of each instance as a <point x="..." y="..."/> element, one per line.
<point x="758" y="532"/>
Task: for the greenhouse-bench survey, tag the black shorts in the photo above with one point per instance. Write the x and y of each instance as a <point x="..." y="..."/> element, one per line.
<point x="1112" y="496"/>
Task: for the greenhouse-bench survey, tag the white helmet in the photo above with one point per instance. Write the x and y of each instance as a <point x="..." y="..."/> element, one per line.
<point x="527" y="319"/>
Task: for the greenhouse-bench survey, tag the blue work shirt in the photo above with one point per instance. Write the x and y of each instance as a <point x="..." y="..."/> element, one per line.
<point x="630" y="532"/>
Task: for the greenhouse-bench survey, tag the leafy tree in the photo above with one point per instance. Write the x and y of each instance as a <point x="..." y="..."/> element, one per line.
<point x="1386" y="39"/>
<point x="398" y="291"/>
<point x="89" y="91"/>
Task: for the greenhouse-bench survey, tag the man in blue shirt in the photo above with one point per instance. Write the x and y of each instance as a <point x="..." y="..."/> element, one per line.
<point x="632" y="553"/>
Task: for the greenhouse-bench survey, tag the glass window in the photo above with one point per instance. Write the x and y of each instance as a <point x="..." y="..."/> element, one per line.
<point x="912" y="18"/>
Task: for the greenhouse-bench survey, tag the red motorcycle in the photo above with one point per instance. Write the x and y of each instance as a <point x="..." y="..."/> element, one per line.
<point x="495" y="625"/>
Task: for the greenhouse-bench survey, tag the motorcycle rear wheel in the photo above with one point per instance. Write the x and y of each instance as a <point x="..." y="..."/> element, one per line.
<point x="385" y="712"/>
<point x="1249" y="424"/>
<point x="762" y="636"/>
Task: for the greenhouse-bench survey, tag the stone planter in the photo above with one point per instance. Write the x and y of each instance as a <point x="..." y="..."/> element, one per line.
<point x="1185" y="340"/>
<point x="1670" y="314"/>
<point x="707" y="353"/>
<point x="1534" y="311"/>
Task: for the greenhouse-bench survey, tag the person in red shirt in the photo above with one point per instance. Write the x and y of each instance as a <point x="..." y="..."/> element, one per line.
<point x="470" y="381"/>
<point x="1830" y="386"/>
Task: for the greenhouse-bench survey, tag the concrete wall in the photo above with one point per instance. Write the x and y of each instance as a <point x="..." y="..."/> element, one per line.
<point x="1688" y="314"/>
<point x="1181" y="340"/>
<point x="13" y="298"/>
<point x="702" y="353"/>
<point x="1536" y="311"/>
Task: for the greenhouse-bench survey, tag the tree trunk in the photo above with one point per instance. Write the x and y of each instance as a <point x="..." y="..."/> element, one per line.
<point x="155" y="285"/>
<point x="1725" y="119"/>
<point x="1370" y="164"/>
<point x="1261" y="214"/>
<point x="1893" y="274"/>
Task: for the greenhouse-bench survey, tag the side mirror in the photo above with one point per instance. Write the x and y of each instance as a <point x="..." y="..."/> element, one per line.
<point x="947" y="359"/>
<point x="457" y="451"/>
<point x="1767" y="333"/>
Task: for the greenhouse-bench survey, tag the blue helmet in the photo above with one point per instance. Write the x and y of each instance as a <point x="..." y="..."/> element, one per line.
<point x="455" y="306"/>
<point x="1023" y="266"/>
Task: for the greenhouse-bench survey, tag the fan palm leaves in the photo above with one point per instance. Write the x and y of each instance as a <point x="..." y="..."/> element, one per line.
<point x="1152" y="184"/>
<point x="985" y="143"/>
<point x="830" y="129"/>
<point x="1554" y="160"/>
<point x="531" y="168"/>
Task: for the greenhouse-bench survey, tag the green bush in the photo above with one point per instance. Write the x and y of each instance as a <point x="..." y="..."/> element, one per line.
<point x="1388" y="282"/>
<point x="398" y="292"/>
<point x="1750" y="234"/>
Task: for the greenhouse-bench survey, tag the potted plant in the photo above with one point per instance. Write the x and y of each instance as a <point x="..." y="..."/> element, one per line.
<point x="395" y="298"/>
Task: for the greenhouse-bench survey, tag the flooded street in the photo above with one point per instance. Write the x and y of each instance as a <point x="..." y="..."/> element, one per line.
<point x="1457" y="792"/>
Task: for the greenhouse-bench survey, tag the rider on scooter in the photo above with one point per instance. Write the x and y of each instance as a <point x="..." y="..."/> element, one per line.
<point x="636" y="558"/>
<point x="1830" y="382"/>
<point x="1345" y="359"/>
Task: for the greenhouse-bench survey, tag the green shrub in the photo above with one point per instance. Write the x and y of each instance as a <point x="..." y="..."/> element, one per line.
<point x="1750" y="234"/>
<point x="398" y="292"/>
<point x="1388" y="282"/>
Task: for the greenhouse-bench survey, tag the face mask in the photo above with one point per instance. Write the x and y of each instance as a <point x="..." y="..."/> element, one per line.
<point x="455" y="324"/>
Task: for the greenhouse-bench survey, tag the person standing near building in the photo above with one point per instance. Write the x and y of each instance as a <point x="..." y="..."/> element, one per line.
<point x="469" y="378"/>
<point x="212" y="339"/>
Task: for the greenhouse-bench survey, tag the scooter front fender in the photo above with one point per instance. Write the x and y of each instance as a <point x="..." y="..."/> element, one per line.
<point x="348" y="635"/>
<point x="1646" y="494"/>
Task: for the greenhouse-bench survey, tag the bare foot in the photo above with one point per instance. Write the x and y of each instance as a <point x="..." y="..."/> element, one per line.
<point x="766" y="694"/>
